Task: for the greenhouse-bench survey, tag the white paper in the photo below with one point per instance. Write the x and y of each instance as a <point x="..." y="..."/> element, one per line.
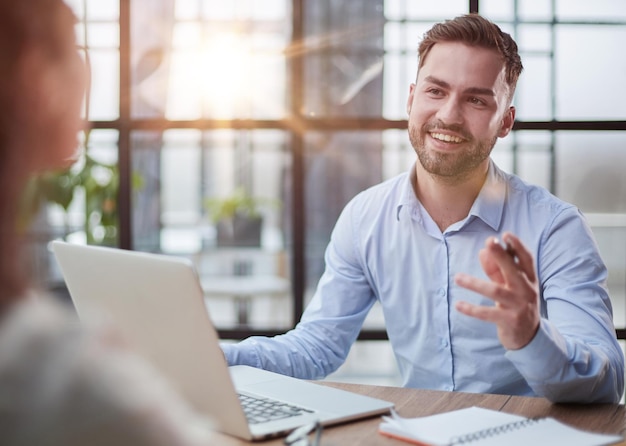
<point x="442" y="429"/>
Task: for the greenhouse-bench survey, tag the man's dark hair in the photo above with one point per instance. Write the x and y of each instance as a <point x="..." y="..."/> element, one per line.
<point x="474" y="30"/>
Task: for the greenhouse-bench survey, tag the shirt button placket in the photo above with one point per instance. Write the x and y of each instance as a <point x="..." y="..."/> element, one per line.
<point x="442" y="293"/>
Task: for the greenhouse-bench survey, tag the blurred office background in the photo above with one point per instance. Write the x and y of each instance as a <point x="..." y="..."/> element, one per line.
<point x="291" y="107"/>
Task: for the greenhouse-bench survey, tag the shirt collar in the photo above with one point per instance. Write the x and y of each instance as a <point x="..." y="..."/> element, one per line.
<point x="407" y="196"/>
<point x="488" y="206"/>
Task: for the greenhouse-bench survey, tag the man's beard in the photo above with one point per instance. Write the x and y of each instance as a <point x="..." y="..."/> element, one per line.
<point x="456" y="165"/>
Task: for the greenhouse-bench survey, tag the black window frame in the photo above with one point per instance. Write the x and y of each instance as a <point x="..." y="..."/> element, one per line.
<point x="125" y="124"/>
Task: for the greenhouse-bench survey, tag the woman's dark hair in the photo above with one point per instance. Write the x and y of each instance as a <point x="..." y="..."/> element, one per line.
<point x="43" y="25"/>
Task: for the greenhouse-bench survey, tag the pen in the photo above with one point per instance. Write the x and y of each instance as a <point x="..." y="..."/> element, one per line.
<point x="508" y="248"/>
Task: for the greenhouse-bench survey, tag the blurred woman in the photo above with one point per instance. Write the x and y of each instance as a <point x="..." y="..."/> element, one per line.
<point x="61" y="384"/>
<point x="42" y="80"/>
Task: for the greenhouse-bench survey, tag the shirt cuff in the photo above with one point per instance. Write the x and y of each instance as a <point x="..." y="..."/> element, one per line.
<point x="531" y="360"/>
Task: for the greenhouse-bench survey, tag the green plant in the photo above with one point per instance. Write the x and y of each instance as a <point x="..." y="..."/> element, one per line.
<point x="239" y="203"/>
<point x="237" y="218"/>
<point x="100" y="182"/>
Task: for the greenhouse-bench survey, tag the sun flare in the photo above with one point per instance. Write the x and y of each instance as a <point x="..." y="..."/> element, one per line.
<point x="210" y="79"/>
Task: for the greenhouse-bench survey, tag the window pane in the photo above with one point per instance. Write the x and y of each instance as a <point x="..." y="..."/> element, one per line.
<point x="226" y="77"/>
<point x="590" y="170"/>
<point x="395" y="39"/>
<point x="199" y="61"/>
<point x="184" y="180"/>
<point x="267" y="87"/>
<point x="590" y="174"/>
<point x="343" y="61"/>
<point x="151" y="35"/>
<point x="610" y="233"/>
<point x="219" y="10"/>
<point x="398" y="154"/>
<point x="103" y="35"/>
<point x="503" y="154"/>
<point x="609" y="10"/>
<point x="271" y="10"/>
<point x="182" y="85"/>
<point x="246" y="9"/>
<point x="338" y="166"/>
<point x="186" y="34"/>
<point x="338" y="84"/>
<point x="399" y="72"/>
<point x="105" y="86"/>
<point x="534" y="158"/>
<point x="400" y="65"/>
<point x="535" y="9"/>
<point x="193" y="166"/>
<point x="589" y="82"/>
<point x="254" y="162"/>
<point x="405" y="36"/>
<point x="102" y="10"/>
<point x="187" y="9"/>
<point x="395" y="9"/>
<point x="534" y="38"/>
<point x="180" y="178"/>
<point x="498" y="10"/>
<point x="526" y="154"/>
<point x="533" y="97"/>
<point x="420" y="9"/>
<point x="100" y="35"/>
<point x="585" y="88"/>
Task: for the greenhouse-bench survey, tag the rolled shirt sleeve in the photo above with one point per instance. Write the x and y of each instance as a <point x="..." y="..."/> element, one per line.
<point x="575" y="355"/>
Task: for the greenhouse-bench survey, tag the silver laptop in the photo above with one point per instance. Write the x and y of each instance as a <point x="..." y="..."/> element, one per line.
<point x="157" y="303"/>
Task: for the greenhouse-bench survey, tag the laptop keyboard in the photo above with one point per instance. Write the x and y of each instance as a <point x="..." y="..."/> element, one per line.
<point x="261" y="410"/>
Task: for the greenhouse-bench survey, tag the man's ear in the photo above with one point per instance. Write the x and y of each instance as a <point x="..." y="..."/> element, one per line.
<point x="409" y="101"/>
<point x="507" y="122"/>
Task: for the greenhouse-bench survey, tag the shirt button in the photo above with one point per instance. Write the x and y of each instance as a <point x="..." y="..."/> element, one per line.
<point x="444" y="342"/>
<point x="442" y="292"/>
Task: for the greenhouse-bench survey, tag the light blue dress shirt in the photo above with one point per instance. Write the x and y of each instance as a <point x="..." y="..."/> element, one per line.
<point x="386" y="248"/>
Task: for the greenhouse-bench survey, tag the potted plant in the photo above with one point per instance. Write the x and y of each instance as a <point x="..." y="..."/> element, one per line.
<point x="100" y="183"/>
<point x="237" y="218"/>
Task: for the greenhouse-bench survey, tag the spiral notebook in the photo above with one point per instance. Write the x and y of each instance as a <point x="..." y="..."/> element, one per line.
<point x="484" y="427"/>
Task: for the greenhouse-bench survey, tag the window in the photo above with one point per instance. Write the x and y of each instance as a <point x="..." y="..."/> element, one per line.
<point x="300" y="105"/>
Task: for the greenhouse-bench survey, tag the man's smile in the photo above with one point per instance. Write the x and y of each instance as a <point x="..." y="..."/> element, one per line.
<point x="446" y="138"/>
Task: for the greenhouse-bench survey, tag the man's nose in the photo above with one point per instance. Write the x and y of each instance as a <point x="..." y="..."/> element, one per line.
<point x="450" y="111"/>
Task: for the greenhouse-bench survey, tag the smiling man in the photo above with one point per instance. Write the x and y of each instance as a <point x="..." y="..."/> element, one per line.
<point x="488" y="284"/>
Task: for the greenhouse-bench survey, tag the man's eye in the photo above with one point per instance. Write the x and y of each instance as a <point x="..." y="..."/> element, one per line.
<point x="435" y="92"/>
<point x="477" y="101"/>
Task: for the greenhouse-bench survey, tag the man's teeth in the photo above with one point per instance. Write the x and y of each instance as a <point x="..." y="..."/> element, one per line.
<point x="446" y="138"/>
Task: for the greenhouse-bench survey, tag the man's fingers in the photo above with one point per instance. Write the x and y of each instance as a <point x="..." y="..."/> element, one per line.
<point x="524" y="257"/>
<point x="490" y="266"/>
<point x="492" y="290"/>
<point x="487" y="314"/>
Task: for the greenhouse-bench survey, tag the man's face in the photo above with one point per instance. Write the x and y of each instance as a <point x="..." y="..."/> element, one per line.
<point x="457" y="109"/>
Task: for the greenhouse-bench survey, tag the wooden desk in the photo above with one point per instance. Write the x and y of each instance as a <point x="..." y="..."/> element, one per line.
<point x="604" y="418"/>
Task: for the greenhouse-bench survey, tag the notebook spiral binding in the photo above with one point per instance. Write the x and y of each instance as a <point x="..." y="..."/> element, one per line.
<point x="492" y="431"/>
